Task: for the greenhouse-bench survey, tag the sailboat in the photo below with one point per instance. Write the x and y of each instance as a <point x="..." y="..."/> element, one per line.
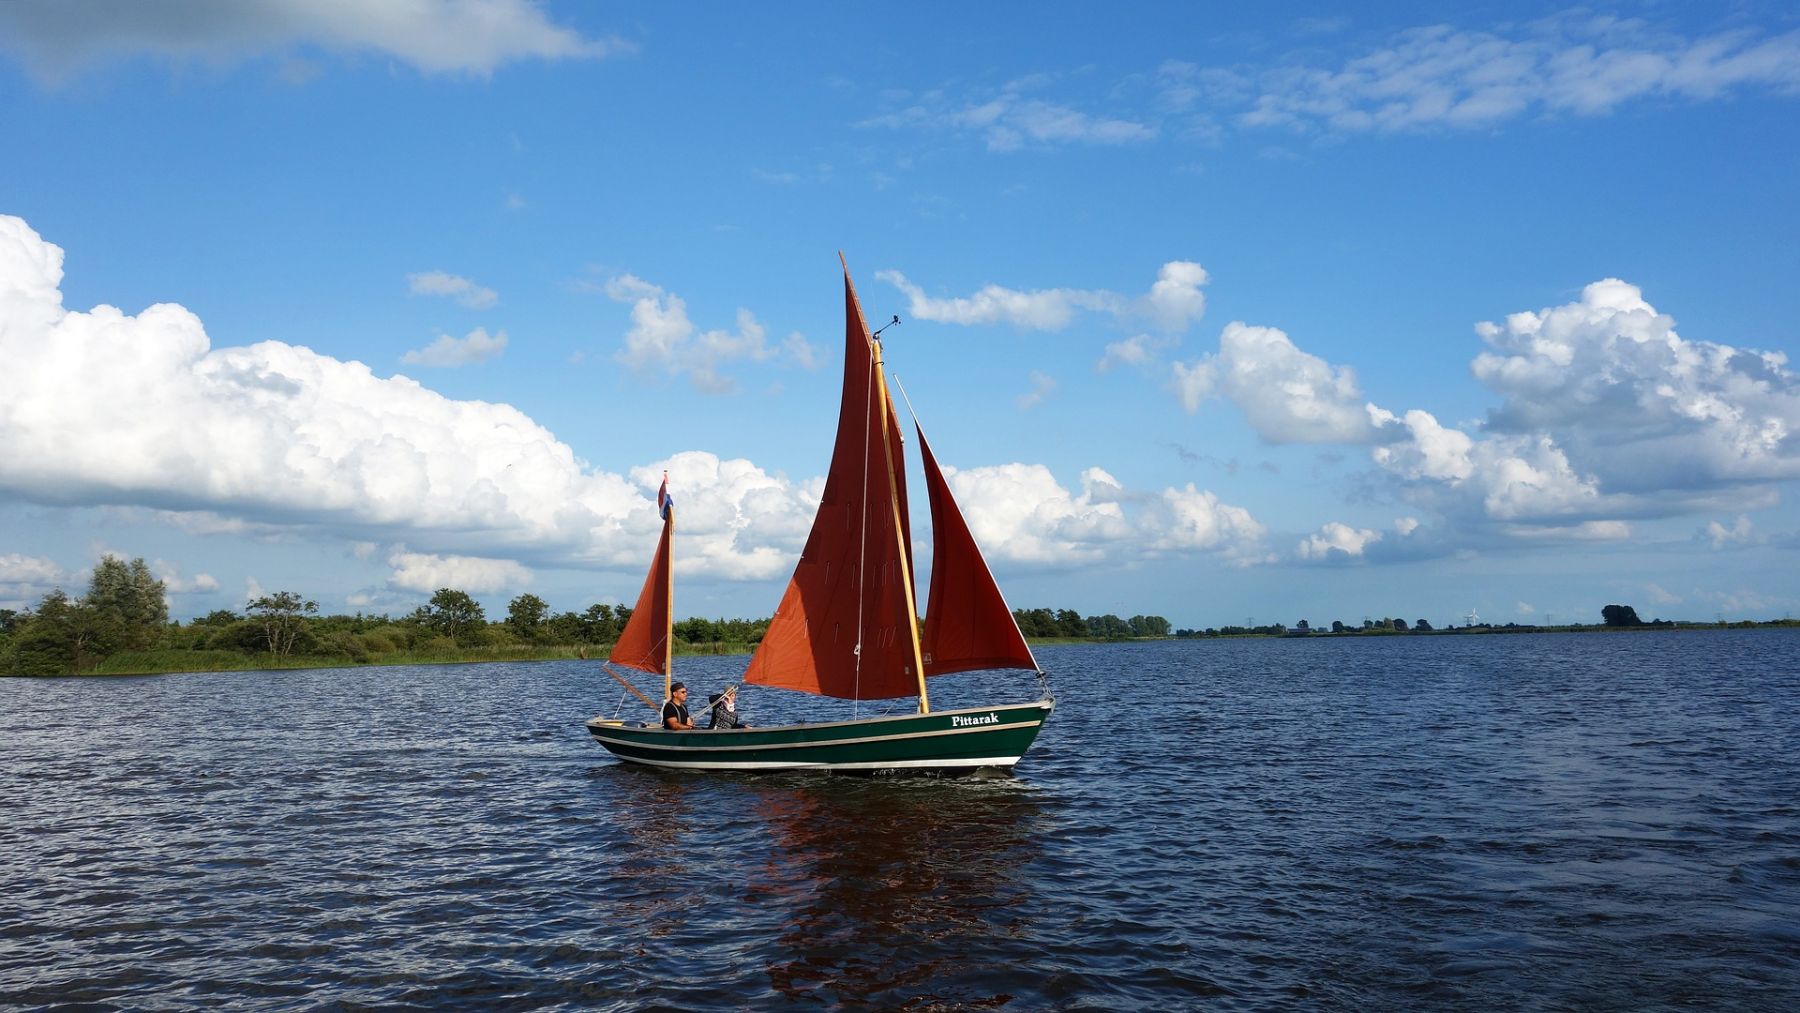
<point x="847" y="624"/>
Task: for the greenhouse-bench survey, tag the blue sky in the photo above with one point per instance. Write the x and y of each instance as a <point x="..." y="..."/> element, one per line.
<point x="1216" y="314"/>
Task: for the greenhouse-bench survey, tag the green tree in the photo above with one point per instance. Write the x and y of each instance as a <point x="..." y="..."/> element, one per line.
<point x="282" y="617"/>
<point x="1108" y="627"/>
<point x="453" y="614"/>
<point x="525" y="615"/>
<point x="1036" y="622"/>
<point x="1149" y="626"/>
<point x="597" y="624"/>
<point x="1422" y="625"/>
<point x="1620" y="615"/>
<point x="697" y="631"/>
<point x="130" y="597"/>
<point x="63" y="637"/>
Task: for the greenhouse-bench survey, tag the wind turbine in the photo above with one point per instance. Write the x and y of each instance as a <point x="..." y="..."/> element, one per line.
<point x="1472" y="617"/>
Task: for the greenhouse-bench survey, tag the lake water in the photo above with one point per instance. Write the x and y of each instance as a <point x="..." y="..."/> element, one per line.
<point x="1501" y="822"/>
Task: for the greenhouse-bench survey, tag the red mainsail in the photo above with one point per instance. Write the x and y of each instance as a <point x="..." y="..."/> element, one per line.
<point x="967" y="623"/>
<point x="842" y="628"/>
<point x="644" y="643"/>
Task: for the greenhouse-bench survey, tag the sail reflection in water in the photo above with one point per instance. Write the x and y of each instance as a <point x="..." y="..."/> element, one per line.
<point x="890" y="890"/>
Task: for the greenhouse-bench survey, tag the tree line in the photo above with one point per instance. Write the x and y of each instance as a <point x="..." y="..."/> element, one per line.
<point x="125" y="611"/>
<point x="1068" y="624"/>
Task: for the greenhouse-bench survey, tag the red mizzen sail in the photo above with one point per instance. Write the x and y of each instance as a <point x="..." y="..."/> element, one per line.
<point x="845" y="627"/>
<point x="644" y="643"/>
<point x="967" y="623"/>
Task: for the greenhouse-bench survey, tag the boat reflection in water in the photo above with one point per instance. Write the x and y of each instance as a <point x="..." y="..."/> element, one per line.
<point x="891" y="889"/>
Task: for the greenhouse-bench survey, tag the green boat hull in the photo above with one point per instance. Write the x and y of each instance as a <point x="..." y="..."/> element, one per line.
<point x="939" y="743"/>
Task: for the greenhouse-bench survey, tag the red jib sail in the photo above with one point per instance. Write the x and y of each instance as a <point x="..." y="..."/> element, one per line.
<point x="644" y="643"/>
<point x="842" y="628"/>
<point x="967" y="623"/>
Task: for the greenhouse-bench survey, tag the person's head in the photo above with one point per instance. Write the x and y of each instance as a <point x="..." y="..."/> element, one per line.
<point x="678" y="693"/>
<point x="730" y="695"/>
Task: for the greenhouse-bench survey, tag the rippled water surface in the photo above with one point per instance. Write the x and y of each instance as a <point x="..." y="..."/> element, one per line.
<point x="1518" y="822"/>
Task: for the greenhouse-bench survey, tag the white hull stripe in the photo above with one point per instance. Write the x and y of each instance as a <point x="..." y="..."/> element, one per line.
<point x="975" y="761"/>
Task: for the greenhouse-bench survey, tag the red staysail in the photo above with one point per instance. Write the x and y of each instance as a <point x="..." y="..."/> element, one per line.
<point x="841" y="628"/>
<point x="644" y="643"/>
<point x="967" y="623"/>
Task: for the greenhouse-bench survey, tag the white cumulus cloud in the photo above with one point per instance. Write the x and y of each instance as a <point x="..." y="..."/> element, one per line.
<point x="1191" y="518"/>
<point x="1739" y="533"/>
<point x="1042" y="310"/>
<point x="1287" y="395"/>
<point x="418" y="571"/>
<point x="1139" y="350"/>
<point x="101" y="407"/>
<point x="452" y="286"/>
<point x="476" y="346"/>
<point x="1637" y="404"/>
<point x="25" y="579"/>
<point x="1042" y="386"/>
<point x="737" y="521"/>
<point x="174" y="583"/>
<point x="663" y="338"/>
<point x="1019" y="513"/>
<point x="1336" y="541"/>
<point x="1173" y="302"/>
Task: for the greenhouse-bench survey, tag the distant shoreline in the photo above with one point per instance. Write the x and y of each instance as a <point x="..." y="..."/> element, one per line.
<point x="181" y="662"/>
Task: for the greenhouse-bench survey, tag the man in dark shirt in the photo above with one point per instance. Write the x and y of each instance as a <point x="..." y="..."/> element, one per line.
<point x="675" y="712"/>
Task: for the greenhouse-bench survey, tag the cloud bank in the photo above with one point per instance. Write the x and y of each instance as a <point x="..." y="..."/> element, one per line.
<point x="105" y="408"/>
<point x="1607" y="415"/>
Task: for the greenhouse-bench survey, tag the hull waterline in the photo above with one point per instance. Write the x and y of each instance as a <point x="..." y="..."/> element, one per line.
<point x="940" y="743"/>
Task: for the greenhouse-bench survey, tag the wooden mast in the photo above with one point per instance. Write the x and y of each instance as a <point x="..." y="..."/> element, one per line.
<point x="669" y="630"/>
<point x="911" y="622"/>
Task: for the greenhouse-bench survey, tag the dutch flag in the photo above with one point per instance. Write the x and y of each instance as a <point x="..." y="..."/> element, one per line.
<point x="665" y="503"/>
